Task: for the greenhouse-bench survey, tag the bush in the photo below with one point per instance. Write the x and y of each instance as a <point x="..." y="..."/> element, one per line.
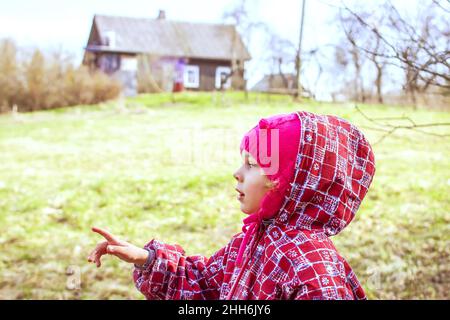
<point x="10" y="84"/>
<point x="40" y="82"/>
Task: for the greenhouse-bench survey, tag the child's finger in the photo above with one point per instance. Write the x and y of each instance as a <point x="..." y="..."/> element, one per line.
<point x="98" y="257"/>
<point x="99" y="248"/>
<point x="108" y="236"/>
<point x="92" y="255"/>
<point x="98" y="261"/>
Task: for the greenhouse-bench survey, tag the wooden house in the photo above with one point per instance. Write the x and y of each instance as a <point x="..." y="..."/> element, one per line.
<point x="170" y="55"/>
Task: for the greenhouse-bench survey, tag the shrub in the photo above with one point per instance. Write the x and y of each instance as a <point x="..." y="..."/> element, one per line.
<point x="41" y="82"/>
<point x="10" y="84"/>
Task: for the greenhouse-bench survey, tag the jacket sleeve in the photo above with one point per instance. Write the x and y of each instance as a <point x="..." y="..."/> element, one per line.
<point x="174" y="276"/>
<point x="305" y="293"/>
<point x="310" y="291"/>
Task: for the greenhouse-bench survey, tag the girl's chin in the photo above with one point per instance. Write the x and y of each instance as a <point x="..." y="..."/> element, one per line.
<point x="245" y="210"/>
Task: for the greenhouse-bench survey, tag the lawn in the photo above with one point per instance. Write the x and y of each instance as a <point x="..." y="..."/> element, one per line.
<point x="158" y="166"/>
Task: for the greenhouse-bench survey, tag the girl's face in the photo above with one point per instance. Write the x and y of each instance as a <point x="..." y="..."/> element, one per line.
<point x="252" y="184"/>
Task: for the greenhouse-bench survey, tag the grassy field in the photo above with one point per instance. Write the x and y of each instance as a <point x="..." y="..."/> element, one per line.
<point x="161" y="167"/>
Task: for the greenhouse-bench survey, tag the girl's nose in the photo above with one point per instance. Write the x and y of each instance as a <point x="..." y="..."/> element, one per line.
<point x="237" y="176"/>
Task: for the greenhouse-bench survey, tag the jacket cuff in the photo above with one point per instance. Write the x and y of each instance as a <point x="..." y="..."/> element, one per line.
<point x="150" y="258"/>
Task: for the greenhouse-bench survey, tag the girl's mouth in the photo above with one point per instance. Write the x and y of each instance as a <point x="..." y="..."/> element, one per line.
<point x="240" y="195"/>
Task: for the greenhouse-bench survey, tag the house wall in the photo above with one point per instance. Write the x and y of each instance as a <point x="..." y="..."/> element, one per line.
<point x="208" y="72"/>
<point x="124" y="67"/>
<point x="89" y="58"/>
<point x="126" y="73"/>
<point x="163" y="72"/>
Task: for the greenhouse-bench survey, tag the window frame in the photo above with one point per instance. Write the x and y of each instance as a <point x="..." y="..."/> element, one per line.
<point x="196" y="70"/>
<point x="218" y="79"/>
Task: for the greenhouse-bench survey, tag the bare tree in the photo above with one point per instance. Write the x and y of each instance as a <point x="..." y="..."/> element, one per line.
<point x="385" y="125"/>
<point x="282" y="55"/>
<point x="239" y="16"/>
<point x="420" y="47"/>
<point x="379" y="64"/>
<point x="349" y="53"/>
<point x="359" y="36"/>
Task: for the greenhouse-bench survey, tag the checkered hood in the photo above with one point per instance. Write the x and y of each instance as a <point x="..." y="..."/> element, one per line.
<point x="334" y="168"/>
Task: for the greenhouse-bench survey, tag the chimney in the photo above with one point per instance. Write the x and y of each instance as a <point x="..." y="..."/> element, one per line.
<point x="162" y="15"/>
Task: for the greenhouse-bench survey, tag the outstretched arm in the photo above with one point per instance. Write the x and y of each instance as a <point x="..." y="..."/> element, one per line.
<point x="116" y="247"/>
<point x="164" y="271"/>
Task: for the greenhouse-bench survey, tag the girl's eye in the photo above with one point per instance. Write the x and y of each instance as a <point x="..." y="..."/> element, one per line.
<point x="248" y="164"/>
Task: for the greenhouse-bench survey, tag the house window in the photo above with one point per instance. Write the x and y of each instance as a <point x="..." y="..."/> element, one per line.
<point x="110" y="39"/>
<point x="191" y="76"/>
<point x="109" y="63"/>
<point x="222" y="73"/>
<point x="128" y="64"/>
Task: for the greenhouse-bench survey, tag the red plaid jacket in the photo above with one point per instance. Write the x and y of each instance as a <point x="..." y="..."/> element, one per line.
<point x="291" y="256"/>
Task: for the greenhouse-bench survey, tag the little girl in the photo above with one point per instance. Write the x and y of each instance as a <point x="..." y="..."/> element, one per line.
<point x="319" y="170"/>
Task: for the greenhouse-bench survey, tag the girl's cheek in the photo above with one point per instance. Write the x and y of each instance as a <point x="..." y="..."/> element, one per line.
<point x="256" y="185"/>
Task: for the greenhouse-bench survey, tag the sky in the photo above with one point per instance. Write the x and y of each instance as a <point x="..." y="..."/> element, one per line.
<point x="48" y="23"/>
<point x="65" y="24"/>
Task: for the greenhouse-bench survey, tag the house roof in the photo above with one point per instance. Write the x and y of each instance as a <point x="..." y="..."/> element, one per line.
<point x="170" y="38"/>
<point x="275" y="81"/>
<point x="276" y="84"/>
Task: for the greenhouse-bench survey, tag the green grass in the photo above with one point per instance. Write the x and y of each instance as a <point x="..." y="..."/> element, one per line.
<point x="158" y="166"/>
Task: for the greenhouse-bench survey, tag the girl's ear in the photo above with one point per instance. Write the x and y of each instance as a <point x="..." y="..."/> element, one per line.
<point x="271" y="184"/>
